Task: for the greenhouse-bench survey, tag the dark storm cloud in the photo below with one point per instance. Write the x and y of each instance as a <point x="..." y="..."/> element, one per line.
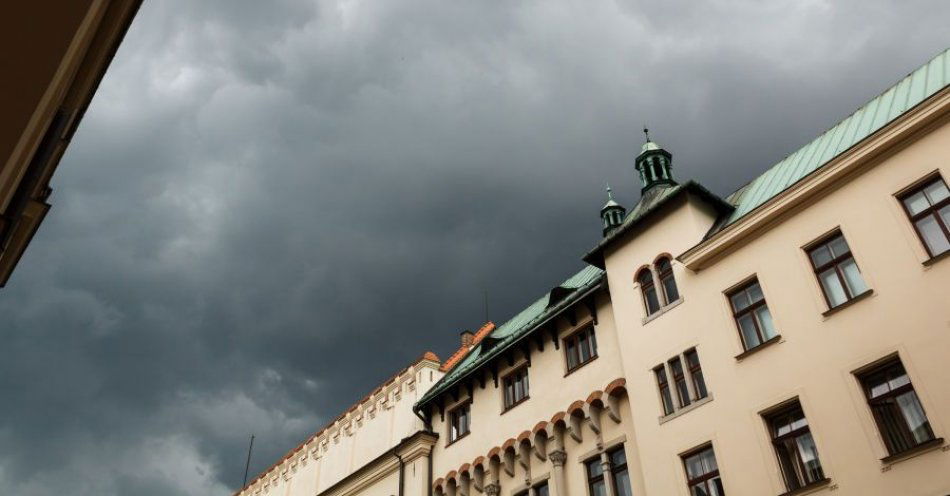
<point x="264" y="194"/>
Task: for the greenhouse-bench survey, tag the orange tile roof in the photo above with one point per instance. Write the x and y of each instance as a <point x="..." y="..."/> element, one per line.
<point x="460" y="353"/>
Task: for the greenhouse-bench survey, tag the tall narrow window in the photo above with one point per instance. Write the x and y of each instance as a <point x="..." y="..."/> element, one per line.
<point x="650" y="299"/>
<point x="837" y="271"/>
<point x="595" y="478"/>
<point x="667" y="281"/>
<point x="516" y="387"/>
<point x="702" y="473"/>
<point x="580" y="347"/>
<point x="928" y="207"/>
<point x="679" y="379"/>
<point x="696" y="373"/>
<point x="795" y="447"/>
<point x="666" y="398"/>
<point x="619" y="473"/>
<point x="752" y="315"/>
<point x="459" y="422"/>
<point x="899" y="415"/>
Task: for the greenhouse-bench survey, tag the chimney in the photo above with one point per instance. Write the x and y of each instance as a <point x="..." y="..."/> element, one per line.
<point x="468" y="338"/>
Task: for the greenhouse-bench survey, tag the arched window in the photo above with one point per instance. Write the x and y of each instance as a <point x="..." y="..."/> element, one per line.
<point x="650" y="300"/>
<point x="667" y="281"/>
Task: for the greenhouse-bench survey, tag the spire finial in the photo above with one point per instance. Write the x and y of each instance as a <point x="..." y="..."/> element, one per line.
<point x="610" y="192"/>
<point x="646" y="132"/>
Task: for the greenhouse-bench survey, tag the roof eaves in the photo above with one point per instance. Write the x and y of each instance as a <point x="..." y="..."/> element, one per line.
<point x="506" y="343"/>
<point x="595" y="256"/>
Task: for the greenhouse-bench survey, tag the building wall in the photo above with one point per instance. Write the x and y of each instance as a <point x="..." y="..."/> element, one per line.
<point x="907" y="314"/>
<point x="354" y="441"/>
<point x="552" y="391"/>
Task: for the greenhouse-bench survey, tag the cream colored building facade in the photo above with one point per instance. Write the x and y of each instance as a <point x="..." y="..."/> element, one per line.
<point x="378" y="447"/>
<point x="791" y="338"/>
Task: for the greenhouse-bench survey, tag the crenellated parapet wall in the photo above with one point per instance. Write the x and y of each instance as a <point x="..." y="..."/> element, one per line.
<point x="378" y="422"/>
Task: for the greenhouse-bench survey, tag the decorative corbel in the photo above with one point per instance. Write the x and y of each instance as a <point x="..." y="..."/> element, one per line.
<point x="591" y="307"/>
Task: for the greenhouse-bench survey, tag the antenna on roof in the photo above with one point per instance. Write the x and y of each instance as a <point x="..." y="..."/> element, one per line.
<point x="247" y="465"/>
<point x="485" y="299"/>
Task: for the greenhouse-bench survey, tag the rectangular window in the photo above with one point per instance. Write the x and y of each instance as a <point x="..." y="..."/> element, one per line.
<point x="620" y="476"/>
<point x="752" y="315"/>
<point x="542" y="489"/>
<point x="580" y="347"/>
<point x="702" y="473"/>
<point x="899" y="415"/>
<point x="696" y="373"/>
<point x="516" y="387"/>
<point x="679" y="379"/>
<point x="665" y="397"/>
<point x="459" y="422"/>
<point x="836" y="270"/>
<point x="928" y="207"/>
<point x="795" y="447"/>
<point x="595" y="478"/>
<point x="619" y="473"/>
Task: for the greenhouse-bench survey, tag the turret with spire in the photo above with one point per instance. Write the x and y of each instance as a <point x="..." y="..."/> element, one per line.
<point x="654" y="164"/>
<point x="612" y="214"/>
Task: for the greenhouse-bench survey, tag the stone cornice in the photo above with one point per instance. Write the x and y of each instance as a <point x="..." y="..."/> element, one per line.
<point x="836" y="172"/>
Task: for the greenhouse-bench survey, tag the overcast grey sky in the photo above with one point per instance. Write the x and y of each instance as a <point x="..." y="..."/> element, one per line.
<point x="272" y="206"/>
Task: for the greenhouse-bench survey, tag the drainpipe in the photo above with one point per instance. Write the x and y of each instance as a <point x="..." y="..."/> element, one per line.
<point x="402" y="474"/>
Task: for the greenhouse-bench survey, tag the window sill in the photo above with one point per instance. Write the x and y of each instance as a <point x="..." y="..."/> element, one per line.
<point x="912" y="452"/>
<point x="686" y="409"/>
<point x="450" y="443"/>
<point x="655" y="315"/>
<point x="932" y="260"/>
<point x="814" y="486"/>
<point x="764" y="344"/>
<point x="848" y="303"/>
<point x="575" y="369"/>
<point x="513" y="405"/>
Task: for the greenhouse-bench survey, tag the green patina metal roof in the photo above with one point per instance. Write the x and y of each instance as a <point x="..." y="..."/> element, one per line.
<point x="519" y="326"/>
<point x="907" y="93"/>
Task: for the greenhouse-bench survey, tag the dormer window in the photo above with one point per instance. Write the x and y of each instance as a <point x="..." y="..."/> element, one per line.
<point x="651" y="300"/>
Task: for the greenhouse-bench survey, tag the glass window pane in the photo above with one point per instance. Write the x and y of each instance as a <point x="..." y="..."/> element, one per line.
<point x="838" y="246"/>
<point x="833" y="289"/>
<point x="740" y="300"/>
<point x="937" y="192"/>
<point x="694" y="466"/>
<point x="594" y="468"/>
<point x="916" y="203"/>
<point x="852" y="275"/>
<point x="700" y="384"/>
<point x="618" y="458"/>
<point x="914" y="415"/>
<point x="755" y="293"/>
<point x="809" y="456"/>
<point x="765" y="322"/>
<point x="598" y="488"/>
<point x="709" y="460"/>
<point x="945" y="216"/>
<point x="749" y="336"/>
<point x="715" y="485"/>
<point x="699" y="490"/>
<point x="541" y="490"/>
<point x="669" y="286"/>
<point x="622" y="481"/>
<point x="653" y="304"/>
<point x="645" y="278"/>
<point x="821" y="256"/>
<point x="933" y="235"/>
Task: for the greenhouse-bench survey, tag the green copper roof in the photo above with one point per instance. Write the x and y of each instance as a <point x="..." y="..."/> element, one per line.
<point x="649" y="145"/>
<point x="910" y="91"/>
<point x="519" y="326"/>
